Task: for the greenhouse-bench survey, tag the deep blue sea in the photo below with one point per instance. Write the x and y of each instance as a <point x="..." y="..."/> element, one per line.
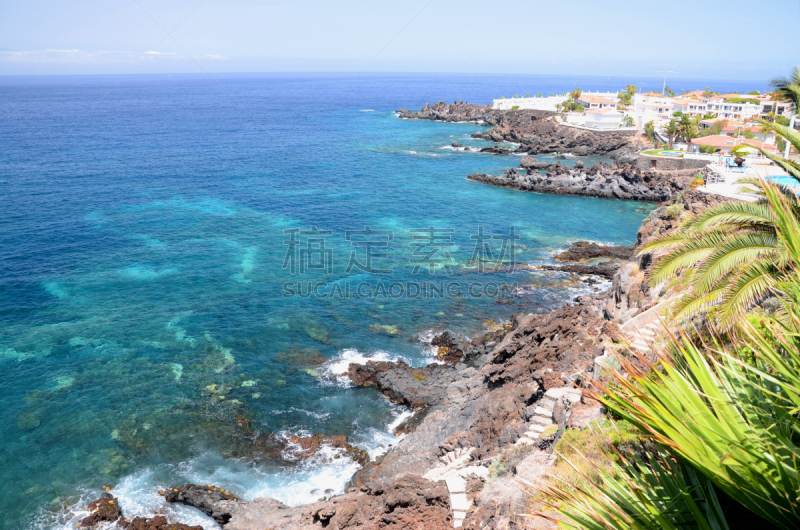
<point x="149" y="226"/>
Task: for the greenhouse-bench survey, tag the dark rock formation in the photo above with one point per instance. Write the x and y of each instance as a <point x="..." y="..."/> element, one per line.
<point x="601" y="180"/>
<point x="308" y="446"/>
<point x="537" y="134"/>
<point x="585" y="250"/>
<point x="496" y="150"/>
<point x="532" y="129"/>
<point x="564" y="341"/>
<point x="455" y="112"/>
<point x="204" y="498"/>
<point x="415" y="387"/>
<point x="104" y="509"/>
<point x="156" y="523"/>
<point x="410" y="502"/>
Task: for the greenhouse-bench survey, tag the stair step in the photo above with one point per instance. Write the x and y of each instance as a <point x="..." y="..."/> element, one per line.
<point x="653" y="325"/>
<point x="537" y="428"/>
<point x="547" y="403"/>
<point x="542" y="411"/>
<point x="542" y="420"/>
<point x="647" y="332"/>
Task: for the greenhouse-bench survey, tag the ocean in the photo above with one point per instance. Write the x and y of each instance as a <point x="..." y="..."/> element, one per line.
<point x="179" y="254"/>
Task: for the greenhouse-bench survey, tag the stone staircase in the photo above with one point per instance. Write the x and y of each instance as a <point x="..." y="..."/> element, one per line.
<point x="457" y="466"/>
<point x="642" y="339"/>
<point x="542" y="412"/>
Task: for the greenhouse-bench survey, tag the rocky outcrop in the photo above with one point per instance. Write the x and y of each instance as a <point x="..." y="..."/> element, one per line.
<point x="538" y="134"/>
<point x="602" y="180"/>
<point x="106" y="510"/>
<point x="158" y="522"/>
<point x="586" y="250"/>
<point x="410" y="502"/>
<point x="414" y="387"/>
<point x="103" y="510"/>
<point x="455" y="112"/>
<point x="532" y="129"/>
<point x="204" y="498"/>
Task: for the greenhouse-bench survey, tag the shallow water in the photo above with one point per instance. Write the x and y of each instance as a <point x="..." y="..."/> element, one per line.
<point x="143" y="252"/>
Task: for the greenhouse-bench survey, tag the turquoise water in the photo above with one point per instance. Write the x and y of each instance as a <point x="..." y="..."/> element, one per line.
<point x="143" y="251"/>
<point x="784" y="181"/>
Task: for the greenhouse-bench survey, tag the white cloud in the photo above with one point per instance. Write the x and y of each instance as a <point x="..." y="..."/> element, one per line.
<point x="98" y="56"/>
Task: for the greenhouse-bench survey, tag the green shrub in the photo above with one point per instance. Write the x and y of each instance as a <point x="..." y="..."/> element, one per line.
<point x="674" y="211"/>
<point x="743" y="100"/>
<point x="507" y="460"/>
<point x="708" y="149"/>
<point x="515" y="107"/>
<point x="698" y="180"/>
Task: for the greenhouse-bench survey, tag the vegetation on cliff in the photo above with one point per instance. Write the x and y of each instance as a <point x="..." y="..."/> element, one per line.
<point x="720" y="405"/>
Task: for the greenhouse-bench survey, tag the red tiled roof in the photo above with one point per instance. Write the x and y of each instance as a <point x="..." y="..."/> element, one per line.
<point x="595" y="99"/>
<point x="603" y="111"/>
<point x="728" y="142"/>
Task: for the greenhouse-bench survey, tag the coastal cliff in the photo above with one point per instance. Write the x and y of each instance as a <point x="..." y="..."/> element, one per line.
<point x="601" y="180"/>
<point x="537" y="133"/>
<point x="491" y="412"/>
<point x="534" y="130"/>
<point x="476" y="409"/>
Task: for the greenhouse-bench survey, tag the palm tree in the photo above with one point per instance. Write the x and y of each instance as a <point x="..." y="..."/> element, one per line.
<point x="688" y="129"/>
<point x="672" y="129"/>
<point x="723" y="417"/>
<point x="792" y="136"/>
<point x="728" y="256"/>
<point x="785" y="88"/>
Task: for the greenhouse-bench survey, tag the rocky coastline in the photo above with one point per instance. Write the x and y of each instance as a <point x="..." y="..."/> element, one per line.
<point x="501" y="397"/>
<point x="601" y="180"/>
<point x="537" y="133"/>
<point x="468" y="412"/>
<point x="533" y="130"/>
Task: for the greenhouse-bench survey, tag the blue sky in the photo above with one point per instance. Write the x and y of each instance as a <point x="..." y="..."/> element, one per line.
<point x="714" y="39"/>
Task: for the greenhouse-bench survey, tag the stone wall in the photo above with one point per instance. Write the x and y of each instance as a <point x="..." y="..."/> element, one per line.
<point x="664" y="163"/>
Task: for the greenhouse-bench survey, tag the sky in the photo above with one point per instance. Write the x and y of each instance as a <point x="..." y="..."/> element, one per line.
<point x="714" y="39"/>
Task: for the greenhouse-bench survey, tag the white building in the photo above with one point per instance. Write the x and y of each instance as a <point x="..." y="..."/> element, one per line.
<point x="603" y="118"/>
<point x="548" y="103"/>
<point x="650" y="107"/>
<point x="733" y="111"/>
<point x="690" y="106"/>
<point x="593" y="101"/>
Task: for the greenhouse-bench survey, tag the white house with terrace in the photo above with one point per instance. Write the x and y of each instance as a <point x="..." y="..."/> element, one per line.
<point x="550" y="103"/>
<point x="596" y="102"/>
<point x="603" y="118"/>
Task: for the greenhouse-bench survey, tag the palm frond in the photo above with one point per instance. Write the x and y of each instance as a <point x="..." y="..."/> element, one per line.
<point x="736" y="213"/>
<point x="735" y="253"/>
